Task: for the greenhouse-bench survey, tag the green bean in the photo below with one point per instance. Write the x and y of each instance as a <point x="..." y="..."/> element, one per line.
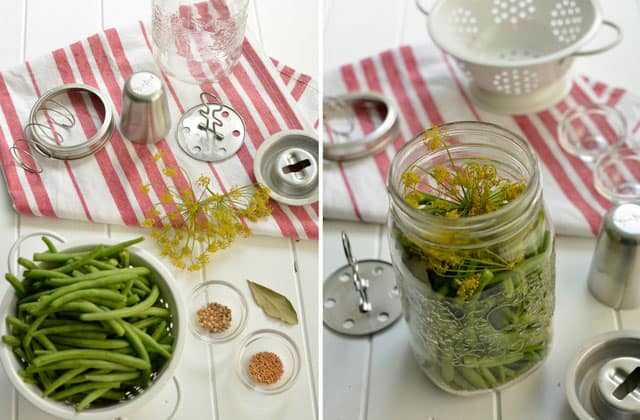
<point x="88" y="294"/>
<point x="86" y="334"/>
<point x="472" y="377"/>
<point x="20" y="353"/>
<point x="78" y="363"/>
<point x="102" y="265"/>
<point x="140" y="285"/>
<point x="89" y="343"/>
<point x="70" y="266"/>
<point x="147" y="322"/>
<point x="92" y="396"/>
<point x="113" y="377"/>
<point x="111" y="324"/>
<point x="74" y="273"/>
<point x="92" y="269"/>
<point x="16" y="323"/>
<point x="136" y="344"/>
<point x="64" y="257"/>
<point x="62" y="379"/>
<point x="33" y="296"/>
<point x="50" y="246"/>
<point x="15" y="283"/>
<point x="159" y="331"/>
<point x="72" y="327"/>
<point x="113" y="395"/>
<point x="114" y="262"/>
<point x="26" y="340"/>
<point x="77" y="389"/>
<point x="124" y="258"/>
<point x="167" y="339"/>
<point x="40" y="273"/>
<point x="134" y="272"/>
<point x="57" y="257"/>
<point x="124" y="312"/>
<point x="46" y="343"/>
<point x="133" y="299"/>
<point x="91" y="354"/>
<point x="151" y="344"/>
<point x="154" y="311"/>
<point x="80" y="285"/>
<point x="11" y="340"/>
<point x="139" y="292"/>
<point x="27" y="263"/>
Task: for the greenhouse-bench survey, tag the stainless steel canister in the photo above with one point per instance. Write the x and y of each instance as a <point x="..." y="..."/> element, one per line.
<point x="145" y="111"/>
<point x="614" y="277"/>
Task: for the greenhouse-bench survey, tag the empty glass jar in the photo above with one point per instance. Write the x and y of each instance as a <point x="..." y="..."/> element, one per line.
<point x="198" y="40"/>
<point x="478" y="291"/>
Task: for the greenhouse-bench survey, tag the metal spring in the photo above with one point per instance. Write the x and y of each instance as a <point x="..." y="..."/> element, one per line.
<point x="20" y="154"/>
<point x="209" y="114"/>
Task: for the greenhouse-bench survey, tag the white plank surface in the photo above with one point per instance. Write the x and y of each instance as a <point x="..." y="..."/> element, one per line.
<point x="378" y="379"/>
<point x="210" y="387"/>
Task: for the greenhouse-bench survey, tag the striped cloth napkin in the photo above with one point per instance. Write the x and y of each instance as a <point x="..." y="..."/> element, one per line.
<point x="106" y="187"/>
<point x="429" y="90"/>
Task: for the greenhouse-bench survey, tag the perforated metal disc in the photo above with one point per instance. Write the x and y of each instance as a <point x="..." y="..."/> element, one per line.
<point x="202" y="144"/>
<point x="341" y="310"/>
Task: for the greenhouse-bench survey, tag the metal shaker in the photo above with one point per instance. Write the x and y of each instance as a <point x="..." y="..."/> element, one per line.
<point x="145" y="111"/>
<point x="614" y="277"/>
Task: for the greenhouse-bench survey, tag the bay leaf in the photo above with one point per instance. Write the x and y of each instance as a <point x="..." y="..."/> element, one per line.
<point x="273" y="303"/>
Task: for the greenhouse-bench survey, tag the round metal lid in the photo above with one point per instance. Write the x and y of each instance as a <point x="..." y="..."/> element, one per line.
<point x="287" y="164"/>
<point x="603" y="380"/>
<point x="341" y="310"/>
<point x="54" y="146"/>
<point x="211" y="132"/>
<point x="341" y="145"/>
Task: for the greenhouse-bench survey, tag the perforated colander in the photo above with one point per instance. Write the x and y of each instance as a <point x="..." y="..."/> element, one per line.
<point x="517" y="53"/>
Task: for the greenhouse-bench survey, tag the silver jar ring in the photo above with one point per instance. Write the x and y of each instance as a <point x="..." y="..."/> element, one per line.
<point x="90" y="146"/>
<point x="369" y="144"/>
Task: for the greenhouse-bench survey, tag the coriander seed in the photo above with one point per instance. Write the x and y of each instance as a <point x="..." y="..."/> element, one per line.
<point x="215" y="317"/>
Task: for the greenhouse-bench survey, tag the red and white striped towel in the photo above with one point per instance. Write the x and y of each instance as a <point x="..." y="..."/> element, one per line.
<point x="429" y="90"/>
<point x="106" y="187"/>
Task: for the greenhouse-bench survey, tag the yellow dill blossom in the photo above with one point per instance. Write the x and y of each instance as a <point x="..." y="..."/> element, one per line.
<point x="433" y="138"/>
<point x="203" y="181"/>
<point x="465" y="188"/>
<point x="410" y="179"/>
<point x="204" y="222"/>
<point x="468" y="286"/>
<point x="145" y="188"/>
<point x="414" y="198"/>
<point x="158" y="155"/>
<point x="170" y="172"/>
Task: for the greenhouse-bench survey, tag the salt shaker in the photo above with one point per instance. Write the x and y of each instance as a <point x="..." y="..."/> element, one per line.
<point x="614" y="277"/>
<point x="145" y="111"/>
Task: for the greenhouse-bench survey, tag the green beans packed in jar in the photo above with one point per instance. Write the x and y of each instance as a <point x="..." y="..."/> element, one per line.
<point x="473" y="253"/>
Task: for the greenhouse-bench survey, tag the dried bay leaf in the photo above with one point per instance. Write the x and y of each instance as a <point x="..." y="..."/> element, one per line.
<point x="273" y="303"/>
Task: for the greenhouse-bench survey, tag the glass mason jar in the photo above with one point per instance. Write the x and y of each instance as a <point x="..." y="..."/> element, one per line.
<point x="198" y="40"/>
<point x="472" y="343"/>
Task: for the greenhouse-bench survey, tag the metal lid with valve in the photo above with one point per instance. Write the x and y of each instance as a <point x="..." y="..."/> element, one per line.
<point x="374" y="306"/>
<point x="603" y="380"/>
<point x="287" y="164"/>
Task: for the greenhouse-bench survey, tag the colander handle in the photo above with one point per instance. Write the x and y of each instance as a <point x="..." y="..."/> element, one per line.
<point x="11" y="256"/>
<point x="422" y="8"/>
<point x="619" y="36"/>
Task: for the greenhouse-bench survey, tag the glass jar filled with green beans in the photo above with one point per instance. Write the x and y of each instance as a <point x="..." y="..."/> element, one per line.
<point x="473" y="252"/>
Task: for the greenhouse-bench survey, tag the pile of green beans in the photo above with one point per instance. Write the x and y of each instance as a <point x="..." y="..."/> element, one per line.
<point x="90" y="328"/>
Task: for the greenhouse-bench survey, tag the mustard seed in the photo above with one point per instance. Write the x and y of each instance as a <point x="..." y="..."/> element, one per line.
<point x="265" y="368"/>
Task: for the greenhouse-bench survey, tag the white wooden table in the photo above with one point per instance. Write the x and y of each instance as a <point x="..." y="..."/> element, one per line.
<point x="377" y="378"/>
<point x="210" y="387"/>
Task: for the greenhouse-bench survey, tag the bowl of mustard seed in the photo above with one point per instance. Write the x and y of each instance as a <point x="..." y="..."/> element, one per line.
<point x="268" y="361"/>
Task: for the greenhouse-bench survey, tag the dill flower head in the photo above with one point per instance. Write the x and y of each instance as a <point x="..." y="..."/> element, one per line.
<point x="457" y="189"/>
<point x="204" y="222"/>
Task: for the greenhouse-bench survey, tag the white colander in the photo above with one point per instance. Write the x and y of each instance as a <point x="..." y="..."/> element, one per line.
<point x="517" y="53"/>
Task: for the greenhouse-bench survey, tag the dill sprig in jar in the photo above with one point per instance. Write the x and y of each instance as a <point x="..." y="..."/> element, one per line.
<point x="473" y="253"/>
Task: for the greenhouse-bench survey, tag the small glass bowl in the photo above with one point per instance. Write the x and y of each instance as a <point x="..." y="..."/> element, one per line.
<point x="591" y="131"/>
<point x="269" y="341"/>
<point x="215" y="291"/>
<point x="617" y="175"/>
